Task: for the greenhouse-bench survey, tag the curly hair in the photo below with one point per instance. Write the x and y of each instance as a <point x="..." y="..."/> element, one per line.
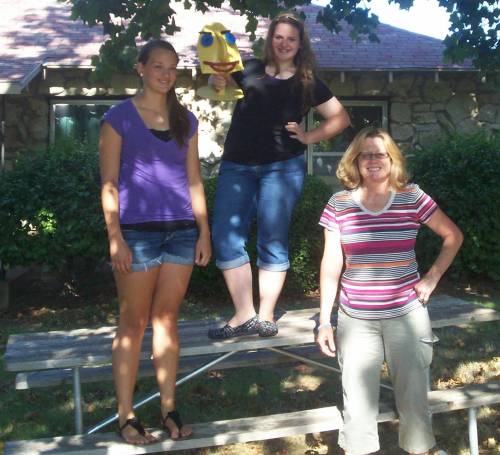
<point x="304" y="59"/>
<point x="348" y="170"/>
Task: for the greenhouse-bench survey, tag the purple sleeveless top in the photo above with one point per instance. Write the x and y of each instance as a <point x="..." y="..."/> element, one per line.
<point x="153" y="183"/>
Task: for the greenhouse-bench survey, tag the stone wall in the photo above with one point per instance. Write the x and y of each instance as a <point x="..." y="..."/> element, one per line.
<point x="28" y="117"/>
<point x="420" y="109"/>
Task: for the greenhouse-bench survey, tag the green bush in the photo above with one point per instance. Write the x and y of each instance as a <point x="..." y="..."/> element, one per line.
<point x="461" y="173"/>
<point x="306" y="242"/>
<point x="306" y="236"/>
<point x="50" y="214"/>
<point x="50" y="211"/>
<point x="208" y="280"/>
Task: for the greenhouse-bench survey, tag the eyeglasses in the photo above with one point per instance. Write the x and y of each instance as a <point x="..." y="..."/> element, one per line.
<point x="373" y="156"/>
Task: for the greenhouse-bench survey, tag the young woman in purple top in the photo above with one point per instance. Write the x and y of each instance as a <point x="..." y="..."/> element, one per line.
<point x="370" y="233"/>
<point x="263" y="167"/>
<point x="155" y="212"/>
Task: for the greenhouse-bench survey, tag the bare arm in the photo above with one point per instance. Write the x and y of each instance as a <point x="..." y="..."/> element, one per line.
<point x="452" y="240"/>
<point x="331" y="267"/>
<point x="336" y="121"/>
<point x="110" y="144"/>
<point x="203" y="248"/>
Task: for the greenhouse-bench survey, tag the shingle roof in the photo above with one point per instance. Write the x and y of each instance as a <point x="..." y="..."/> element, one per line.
<point x="398" y="49"/>
<point x="37" y="32"/>
<point x="40" y="32"/>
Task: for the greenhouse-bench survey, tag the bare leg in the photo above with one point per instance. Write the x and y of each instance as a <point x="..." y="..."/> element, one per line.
<point x="270" y="286"/>
<point x="239" y="284"/>
<point x="170" y="290"/>
<point x="135" y="292"/>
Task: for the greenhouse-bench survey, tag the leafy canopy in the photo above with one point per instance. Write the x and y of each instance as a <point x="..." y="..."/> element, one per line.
<point x="474" y="31"/>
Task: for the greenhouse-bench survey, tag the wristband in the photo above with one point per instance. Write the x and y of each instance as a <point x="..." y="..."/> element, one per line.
<point x="325" y="324"/>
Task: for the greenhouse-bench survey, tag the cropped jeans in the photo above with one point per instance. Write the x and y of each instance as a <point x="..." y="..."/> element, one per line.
<point x="268" y="192"/>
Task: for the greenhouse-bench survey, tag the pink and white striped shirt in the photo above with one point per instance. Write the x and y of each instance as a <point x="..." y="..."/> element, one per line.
<point x="380" y="266"/>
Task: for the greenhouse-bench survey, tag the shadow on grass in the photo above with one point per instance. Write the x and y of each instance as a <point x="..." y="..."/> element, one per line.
<point x="228" y="394"/>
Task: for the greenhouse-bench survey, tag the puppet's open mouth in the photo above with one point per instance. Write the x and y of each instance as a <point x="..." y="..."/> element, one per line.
<point x="221" y="67"/>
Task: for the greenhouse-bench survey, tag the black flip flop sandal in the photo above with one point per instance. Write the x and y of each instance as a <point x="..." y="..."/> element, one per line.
<point x="175" y="416"/>
<point x="137" y="426"/>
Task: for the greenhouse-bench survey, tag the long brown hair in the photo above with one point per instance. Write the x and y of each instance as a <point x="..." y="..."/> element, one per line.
<point x="178" y="118"/>
<point x="304" y="59"/>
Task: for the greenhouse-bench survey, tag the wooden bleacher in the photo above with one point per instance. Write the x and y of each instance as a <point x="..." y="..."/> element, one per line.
<point x="55" y="358"/>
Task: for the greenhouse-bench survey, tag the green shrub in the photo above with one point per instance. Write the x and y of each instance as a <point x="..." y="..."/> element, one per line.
<point x="306" y="236"/>
<point x="50" y="214"/>
<point x="208" y="280"/>
<point x="50" y="211"/>
<point x="306" y="242"/>
<point x="462" y="173"/>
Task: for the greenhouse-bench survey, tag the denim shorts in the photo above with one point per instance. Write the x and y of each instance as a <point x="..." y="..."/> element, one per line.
<point x="154" y="248"/>
<point x="267" y="192"/>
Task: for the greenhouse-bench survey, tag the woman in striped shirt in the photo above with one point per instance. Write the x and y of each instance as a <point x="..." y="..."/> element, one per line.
<point x="370" y="233"/>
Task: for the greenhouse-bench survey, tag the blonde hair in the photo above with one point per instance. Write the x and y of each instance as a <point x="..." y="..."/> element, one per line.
<point x="348" y="170"/>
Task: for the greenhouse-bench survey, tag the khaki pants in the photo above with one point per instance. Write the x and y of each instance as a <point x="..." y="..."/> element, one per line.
<point x="362" y="346"/>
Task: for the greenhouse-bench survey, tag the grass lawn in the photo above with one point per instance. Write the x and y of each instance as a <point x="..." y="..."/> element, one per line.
<point x="464" y="355"/>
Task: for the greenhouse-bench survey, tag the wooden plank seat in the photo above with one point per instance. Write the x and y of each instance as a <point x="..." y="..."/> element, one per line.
<point x="444" y="310"/>
<point x="62" y="376"/>
<point x="248" y="429"/>
<point x="92" y="347"/>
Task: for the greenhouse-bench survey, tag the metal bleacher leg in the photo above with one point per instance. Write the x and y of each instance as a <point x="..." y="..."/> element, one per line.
<point x="77" y="398"/>
<point x="473" y="442"/>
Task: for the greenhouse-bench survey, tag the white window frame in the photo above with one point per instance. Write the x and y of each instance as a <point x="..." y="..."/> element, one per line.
<point x="72" y="102"/>
<point x="311" y="154"/>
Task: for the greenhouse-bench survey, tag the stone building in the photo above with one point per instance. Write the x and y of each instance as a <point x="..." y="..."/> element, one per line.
<point x="400" y="83"/>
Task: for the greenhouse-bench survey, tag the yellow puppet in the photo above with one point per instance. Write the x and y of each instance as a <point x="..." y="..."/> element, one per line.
<point x="218" y="54"/>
